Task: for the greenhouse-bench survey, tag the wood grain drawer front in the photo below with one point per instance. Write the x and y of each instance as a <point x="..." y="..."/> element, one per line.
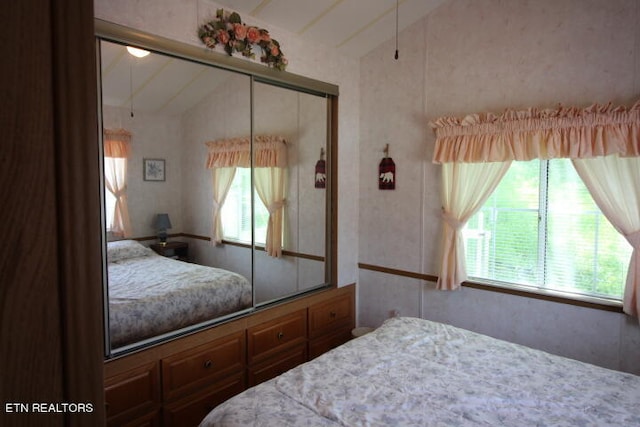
<point x="329" y="342"/>
<point x="277" y="365"/>
<point x="274" y="336"/>
<point x="191" y="410"/>
<point x="201" y="365"/>
<point x="328" y="316"/>
<point x="132" y="393"/>
<point x="152" y="419"/>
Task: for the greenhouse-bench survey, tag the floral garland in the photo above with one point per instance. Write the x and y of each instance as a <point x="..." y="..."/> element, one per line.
<point x="229" y="31"/>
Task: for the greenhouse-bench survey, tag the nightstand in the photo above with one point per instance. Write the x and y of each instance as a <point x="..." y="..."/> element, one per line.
<point x="175" y="250"/>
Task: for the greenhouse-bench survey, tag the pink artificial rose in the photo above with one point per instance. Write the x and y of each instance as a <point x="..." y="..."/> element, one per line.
<point x="222" y="36"/>
<point x="240" y="31"/>
<point x="253" y="35"/>
<point x="274" y="50"/>
<point x="209" y="42"/>
<point x="264" y="35"/>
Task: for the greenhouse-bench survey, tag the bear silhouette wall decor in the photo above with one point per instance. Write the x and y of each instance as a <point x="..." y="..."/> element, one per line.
<point x="387" y="172"/>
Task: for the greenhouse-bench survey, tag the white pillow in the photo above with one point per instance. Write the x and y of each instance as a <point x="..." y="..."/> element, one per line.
<point x="126" y="249"/>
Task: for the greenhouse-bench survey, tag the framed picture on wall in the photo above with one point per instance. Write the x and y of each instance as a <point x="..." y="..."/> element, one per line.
<point x="153" y="169"/>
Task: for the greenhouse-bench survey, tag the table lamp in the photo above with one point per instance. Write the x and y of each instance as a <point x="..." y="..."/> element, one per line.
<point x="162" y="223"/>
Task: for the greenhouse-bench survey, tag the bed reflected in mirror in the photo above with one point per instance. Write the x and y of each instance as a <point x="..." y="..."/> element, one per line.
<point x="152" y="294"/>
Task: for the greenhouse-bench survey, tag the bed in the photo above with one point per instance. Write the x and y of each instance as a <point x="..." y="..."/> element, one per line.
<point x="414" y="372"/>
<point x="150" y="294"/>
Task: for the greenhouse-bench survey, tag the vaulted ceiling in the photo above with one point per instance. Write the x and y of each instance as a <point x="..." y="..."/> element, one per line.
<point x="162" y="84"/>
<point x="156" y="83"/>
<point x="353" y="27"/>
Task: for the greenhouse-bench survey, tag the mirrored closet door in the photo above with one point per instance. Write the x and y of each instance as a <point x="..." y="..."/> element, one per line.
<point x="217" y="187"/>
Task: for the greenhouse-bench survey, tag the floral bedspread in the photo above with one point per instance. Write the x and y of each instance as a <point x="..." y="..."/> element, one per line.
<point x="151" y="294"/>
<point x="414" y="372"/>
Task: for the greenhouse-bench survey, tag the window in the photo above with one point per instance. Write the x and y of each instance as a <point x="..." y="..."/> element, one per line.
<point x="236" y="211"/>
<point x="541" y="228"/>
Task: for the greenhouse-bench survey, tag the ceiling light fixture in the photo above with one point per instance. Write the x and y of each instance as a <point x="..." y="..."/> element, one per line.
<point x="138" y="53"/>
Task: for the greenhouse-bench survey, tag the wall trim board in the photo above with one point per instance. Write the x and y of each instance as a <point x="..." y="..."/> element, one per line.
<point x="495" y="288"/>
<point x="227" y="242"/>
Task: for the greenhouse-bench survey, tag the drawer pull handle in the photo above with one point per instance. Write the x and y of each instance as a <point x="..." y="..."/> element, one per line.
<point x="333" y="314"/>
<point x="208" y="364"/>
<point x="280" y="335"/>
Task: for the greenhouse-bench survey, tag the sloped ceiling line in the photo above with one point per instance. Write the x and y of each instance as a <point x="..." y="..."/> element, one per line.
<point x="319" y="17"/>
<point x="370" y="24"/>
<point x="182" y="89"/>
<point x="149" y="79"/>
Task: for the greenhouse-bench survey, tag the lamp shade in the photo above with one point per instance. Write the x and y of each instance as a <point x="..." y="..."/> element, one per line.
<point x="162" y="221"/>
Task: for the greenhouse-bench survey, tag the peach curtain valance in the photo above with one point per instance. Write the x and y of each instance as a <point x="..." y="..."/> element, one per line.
<point x="598" y="130"/>
<point x="117" y="143"/>
<point x="269" y="151"/>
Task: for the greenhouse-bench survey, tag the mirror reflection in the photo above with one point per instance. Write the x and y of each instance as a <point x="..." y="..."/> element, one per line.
<point x="155" y="114"/>
<point x="301" y="119"/>
<point x="214" y="194"/>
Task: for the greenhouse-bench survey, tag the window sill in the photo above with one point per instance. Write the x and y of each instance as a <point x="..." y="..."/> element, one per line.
<point x="512" y="289"/>
<point x="242" y="243"/>
<point x="600" y="303"/>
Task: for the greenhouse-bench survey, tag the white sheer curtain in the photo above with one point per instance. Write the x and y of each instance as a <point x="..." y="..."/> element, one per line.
<point x="222" y="179"/>
<point x="614" y="184"/>
<point x="116" y="152"/>
<point x="465" y="188"/>
<point x="270" y="185"/>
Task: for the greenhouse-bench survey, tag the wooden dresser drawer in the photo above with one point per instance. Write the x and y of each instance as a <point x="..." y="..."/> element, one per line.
<point x="273" y="367"/>
<point x="323" y="344"/>
<point x="329" y="316"/>
<point x="276" y="335"/>
<point x="132" y="393"/>
<point x="200" y="366"/>
<point x="152" y="419"/>
<point x="192" y="410"/>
